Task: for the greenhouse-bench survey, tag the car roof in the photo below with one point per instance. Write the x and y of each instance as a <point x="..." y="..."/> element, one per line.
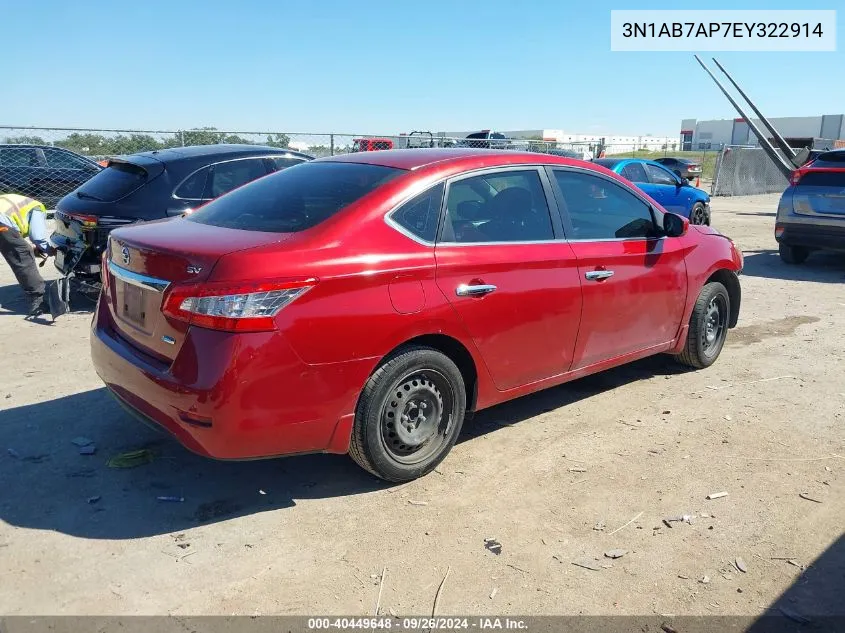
<point x="412" y="159"/>
<point x="227" y="150"/>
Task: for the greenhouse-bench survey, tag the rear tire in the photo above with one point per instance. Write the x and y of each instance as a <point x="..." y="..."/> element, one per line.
<point x="409" y="415"/>
<point x="708" y="327"/>
<point x="793" y="254"/>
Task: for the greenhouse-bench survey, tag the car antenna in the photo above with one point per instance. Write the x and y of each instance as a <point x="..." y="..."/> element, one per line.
<point x="780" y="162"/>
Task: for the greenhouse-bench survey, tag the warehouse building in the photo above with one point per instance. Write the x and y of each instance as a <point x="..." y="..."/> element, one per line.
<point x="819" y="132"/>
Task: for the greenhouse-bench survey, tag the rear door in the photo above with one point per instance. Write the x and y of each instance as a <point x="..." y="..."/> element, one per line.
<point x="511" y="278"/>
<point x="634" y="281"/>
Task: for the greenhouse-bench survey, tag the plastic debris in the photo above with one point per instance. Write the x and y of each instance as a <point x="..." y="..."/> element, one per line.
<point x="494" y="592"/>
<point x="131" y="459"/>
<point x="90" y="449"/>
<point x="418" y="503"/>
<point x="81" y="441"/>
<point x="740" y="565"/>
<point x="588" y="563"/>
<point x="172" y="499"/>
<point x="577" y="469"/>
<point x="717" y="495"/>
<point x="681" y="518"/>
<point x="615" y="553"/>
<point x="94" y="499"/>
<point x="599" y="527"/>
<point x="728" y="418"/>
<point x="704" y="580"/>
<point x="493" y="545"/>
<point x="261" y="492"/>
<point x="806" y="495"/>
<point x="668" y="628"/>
<point x="683" y="576"/>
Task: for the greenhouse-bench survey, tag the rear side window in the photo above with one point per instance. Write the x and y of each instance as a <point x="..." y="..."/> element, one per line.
<point x="114" y="182"/>
<point x="602" y="210"/>
<point x="507" y="206"/>
<point x="19" y="157"/>
<point x="634" y="172"/>
<point x="419" y="215"/>
<point x="295" y="199"/>
<point x="823" y="179"/>
<point x="231" y="174"/>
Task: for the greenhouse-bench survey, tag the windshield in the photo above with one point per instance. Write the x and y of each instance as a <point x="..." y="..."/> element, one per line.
<point x="295" y="199"/>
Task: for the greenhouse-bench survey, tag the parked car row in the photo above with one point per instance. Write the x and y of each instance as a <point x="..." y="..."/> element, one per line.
<point x="364" y="303"/>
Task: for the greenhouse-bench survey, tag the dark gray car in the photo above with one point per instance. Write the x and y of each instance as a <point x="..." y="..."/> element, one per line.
<point x="42" y="172"/>
<point x="811" y="212"/>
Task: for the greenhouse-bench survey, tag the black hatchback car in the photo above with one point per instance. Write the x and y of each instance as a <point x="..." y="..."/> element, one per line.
<point x="152" y="186"/>
<point x="43" y="172"/>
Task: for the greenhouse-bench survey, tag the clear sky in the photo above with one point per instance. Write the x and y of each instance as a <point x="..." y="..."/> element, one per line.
<point x="378" y="66"/>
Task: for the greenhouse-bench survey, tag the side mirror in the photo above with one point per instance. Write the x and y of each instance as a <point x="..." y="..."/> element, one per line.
<point x="674" y="225"/>
<point x="684" y="182"/>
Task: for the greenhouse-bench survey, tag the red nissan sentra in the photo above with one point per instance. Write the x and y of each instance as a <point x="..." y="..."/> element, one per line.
<point x="365" y="303"/>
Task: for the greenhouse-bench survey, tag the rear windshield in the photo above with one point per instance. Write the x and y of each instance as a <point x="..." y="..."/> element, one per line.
<point x="114" y="182"/>
<point x="295" y="199"/>
<point x="823" y="179"/>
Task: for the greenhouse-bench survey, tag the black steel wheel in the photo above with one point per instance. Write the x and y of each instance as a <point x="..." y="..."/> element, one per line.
<point x="708" y="327"/>
<point x="409" y="415"/>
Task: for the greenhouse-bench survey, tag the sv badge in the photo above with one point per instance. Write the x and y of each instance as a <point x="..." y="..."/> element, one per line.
<point x="193" y="270"/>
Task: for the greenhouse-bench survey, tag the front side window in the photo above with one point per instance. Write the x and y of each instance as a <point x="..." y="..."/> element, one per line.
<point x="600" y="209"/>
<point x="279" y="163"/>
<point x="419" y="215"/>
<point x="64" y="160"/>
<point x="507" y="206"/>
<point x="634" y="172"/>
<point x="659" y="176"/>
<point x="231" y="174"/>
<point x="295" y="199"/>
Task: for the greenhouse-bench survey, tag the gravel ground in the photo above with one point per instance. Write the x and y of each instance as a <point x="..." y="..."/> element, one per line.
<point x="558" y="477"/>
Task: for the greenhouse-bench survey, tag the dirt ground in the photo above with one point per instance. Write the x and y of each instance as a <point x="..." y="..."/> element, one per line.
<point x="624" y="450"/>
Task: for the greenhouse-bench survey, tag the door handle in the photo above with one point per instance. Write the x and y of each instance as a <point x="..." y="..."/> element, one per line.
<point x="478" y="290"/>
<point x="598" y="275"/>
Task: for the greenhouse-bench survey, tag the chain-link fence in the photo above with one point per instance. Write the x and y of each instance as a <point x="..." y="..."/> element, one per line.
<point x="33" y="161"/>
<point x="743" y="171"/>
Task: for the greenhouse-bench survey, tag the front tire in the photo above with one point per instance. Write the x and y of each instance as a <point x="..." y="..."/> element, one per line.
<point x="698" y="214"/>
<point x="793" y="254"/>
<point x="708" y="327"/>
<point x="409" y="415"/>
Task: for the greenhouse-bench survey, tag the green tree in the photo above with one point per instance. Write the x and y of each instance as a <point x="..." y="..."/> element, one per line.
<point x="25" y="140"/>
<point x="202" y="136"/>
<point x="278" y="140"/>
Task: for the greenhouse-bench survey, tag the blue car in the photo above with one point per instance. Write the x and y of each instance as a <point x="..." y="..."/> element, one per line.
<point x="673" y="193"/>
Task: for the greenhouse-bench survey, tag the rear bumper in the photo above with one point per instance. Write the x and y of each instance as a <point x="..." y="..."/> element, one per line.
<point x="233" y="396"/>
<point x="817" y="236"/>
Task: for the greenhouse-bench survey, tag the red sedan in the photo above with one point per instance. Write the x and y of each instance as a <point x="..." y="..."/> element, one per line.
<point x="365" y="303"/>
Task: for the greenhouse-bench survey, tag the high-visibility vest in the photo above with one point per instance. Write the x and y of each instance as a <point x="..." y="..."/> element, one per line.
<point x="18" y="209"/>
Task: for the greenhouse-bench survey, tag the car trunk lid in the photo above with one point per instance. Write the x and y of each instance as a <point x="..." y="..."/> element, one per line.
<point x="820" y="192"/>
<point x="145" y="260"/>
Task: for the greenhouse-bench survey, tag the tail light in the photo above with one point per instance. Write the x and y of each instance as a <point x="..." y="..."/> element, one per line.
<point x="233" y="307"/>
<point x="778" y="231"/>
<point x="795" y="178"/>
<point x="87" y="221"/>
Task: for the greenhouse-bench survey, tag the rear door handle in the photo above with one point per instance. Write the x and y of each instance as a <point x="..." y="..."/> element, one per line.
<point x="478" y="290"/>
<point x="598" y="275"/>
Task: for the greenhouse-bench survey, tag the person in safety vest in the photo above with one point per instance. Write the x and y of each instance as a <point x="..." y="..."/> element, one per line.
<point x="22" y="218"/>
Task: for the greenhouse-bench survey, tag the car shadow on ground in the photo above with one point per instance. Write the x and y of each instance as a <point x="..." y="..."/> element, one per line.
<point x="814" y="601"/>
<point x="822" y="267"/>
<point x="49" y="485"/>
<point x="13" y="302"/>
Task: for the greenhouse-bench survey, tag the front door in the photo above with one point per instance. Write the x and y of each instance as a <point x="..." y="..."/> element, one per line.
<point x="634" y="280"/>
<point x="511" y="279"/>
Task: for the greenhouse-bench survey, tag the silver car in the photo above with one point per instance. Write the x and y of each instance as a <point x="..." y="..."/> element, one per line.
<point x="811" y="212"/>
